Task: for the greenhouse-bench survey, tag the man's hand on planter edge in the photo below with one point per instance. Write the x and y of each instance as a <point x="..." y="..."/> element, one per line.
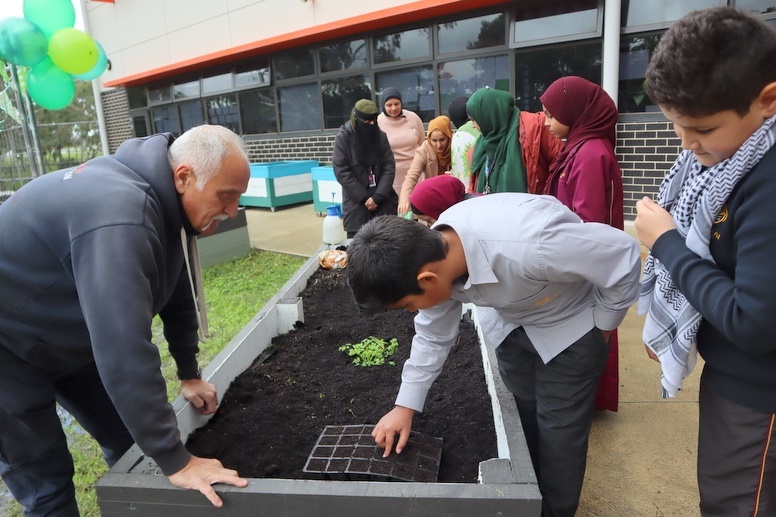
<point x="201" y="473"/>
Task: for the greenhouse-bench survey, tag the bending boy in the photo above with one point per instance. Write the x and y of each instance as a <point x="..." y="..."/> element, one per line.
<point x="548" y="288"/>
<point x="709" y="281"/>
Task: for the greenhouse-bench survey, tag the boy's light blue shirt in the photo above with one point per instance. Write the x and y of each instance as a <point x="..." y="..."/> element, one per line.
<point x="531" y="263"/>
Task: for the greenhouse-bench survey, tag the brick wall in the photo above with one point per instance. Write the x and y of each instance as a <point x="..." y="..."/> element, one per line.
<point x="645" y="150"/>
<point x="115" y="109"/>
<point x="276" y="149"/>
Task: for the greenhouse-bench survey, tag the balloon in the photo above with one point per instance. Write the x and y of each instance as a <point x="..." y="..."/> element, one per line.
<point x="73" y="51"/>
<point x="50" y="87"/>
<point x="50" y="15"/>
<point x="99" y="68"/>
<point x="22" y="42"/>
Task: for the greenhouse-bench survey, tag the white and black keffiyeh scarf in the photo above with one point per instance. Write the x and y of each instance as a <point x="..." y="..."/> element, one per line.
<point x="693" y="195"/>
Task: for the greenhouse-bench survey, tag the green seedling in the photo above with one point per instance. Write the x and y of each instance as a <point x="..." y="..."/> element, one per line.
<point x="372" y="351"/>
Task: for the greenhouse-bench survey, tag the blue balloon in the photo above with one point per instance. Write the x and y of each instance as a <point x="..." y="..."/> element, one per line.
<point x="22" y="42"/>
<point x="98" y="68"/>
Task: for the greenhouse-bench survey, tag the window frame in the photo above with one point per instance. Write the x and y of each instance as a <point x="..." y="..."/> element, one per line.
<point x="577" y="36"/>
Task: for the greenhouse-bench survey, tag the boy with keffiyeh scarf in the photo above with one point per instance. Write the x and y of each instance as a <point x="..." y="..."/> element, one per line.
<point x="709" y="285"/>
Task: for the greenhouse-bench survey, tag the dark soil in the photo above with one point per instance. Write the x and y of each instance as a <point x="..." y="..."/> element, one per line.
<point x="273" y="413"/>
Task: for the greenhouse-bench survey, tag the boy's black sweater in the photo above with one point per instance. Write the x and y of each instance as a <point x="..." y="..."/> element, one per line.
<point x="736" y="295"/>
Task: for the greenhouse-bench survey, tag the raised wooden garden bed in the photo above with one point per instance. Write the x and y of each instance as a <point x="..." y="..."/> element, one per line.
<point x="507" y="484"/>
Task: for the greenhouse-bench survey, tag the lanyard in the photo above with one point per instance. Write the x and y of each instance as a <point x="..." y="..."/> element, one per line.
<point x="488" y="169"/>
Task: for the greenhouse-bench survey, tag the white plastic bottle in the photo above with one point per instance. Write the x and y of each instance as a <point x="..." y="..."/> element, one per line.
<point x="333" y="229"/>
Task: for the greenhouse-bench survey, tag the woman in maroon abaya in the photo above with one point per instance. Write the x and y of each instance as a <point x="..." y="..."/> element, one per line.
<point x="586" y="177"/>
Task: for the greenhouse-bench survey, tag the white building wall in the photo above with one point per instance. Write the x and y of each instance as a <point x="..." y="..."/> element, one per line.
<point x="143" y="35"/>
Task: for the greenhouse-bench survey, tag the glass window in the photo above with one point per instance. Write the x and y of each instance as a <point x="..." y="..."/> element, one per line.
<point x="343" y="56"/>
<point x="536" y="68"/>
<point x="416" y="86"/>
<point x="222" y="110"/>
<point x="166" y="119"/>
<point x="191" y="114"/>
<point x="300" y="107"/>
<point x="464" y="77"/>
<point x="217" y="83"/>
<point x="635" y="52"/>
<point x="252" y="75"/>
<point x="399" y="46"/>
<point x="651" y="12"/>
<point x="187" y="90"/>
<point x="137" y="97"/>
<point x="140" y="125"/>
<point x="757" y="6"/>
<point x="257" y="111"/>
<point x="295" y="63"/>
<point x="473" y="33"/>
<point x="339" y="97"/>
<point x="159" y="94"/>
<point x="555" y="21"/>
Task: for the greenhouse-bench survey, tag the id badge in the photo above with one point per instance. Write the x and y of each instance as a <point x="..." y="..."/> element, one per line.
<point x="372" y="182"/>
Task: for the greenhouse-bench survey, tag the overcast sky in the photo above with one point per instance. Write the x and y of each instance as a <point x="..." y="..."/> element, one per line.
<point x="15" y="8"/>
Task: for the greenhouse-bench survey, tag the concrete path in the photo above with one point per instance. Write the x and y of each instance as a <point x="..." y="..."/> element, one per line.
<point x="641" y="460"/>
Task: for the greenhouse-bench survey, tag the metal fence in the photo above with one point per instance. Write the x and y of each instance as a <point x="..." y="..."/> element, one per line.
<point x="62" y="145"/>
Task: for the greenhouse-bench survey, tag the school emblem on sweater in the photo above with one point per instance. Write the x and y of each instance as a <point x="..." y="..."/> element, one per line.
<point x="722" y="215"/>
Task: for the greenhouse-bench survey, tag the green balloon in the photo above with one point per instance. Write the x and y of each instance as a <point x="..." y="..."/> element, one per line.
<point x="22" y="42"/>
<point x="73" y="51"/>
<point x="50" y="15"/>
<point x="50" y="87"/>
<point x="99" y="67"/>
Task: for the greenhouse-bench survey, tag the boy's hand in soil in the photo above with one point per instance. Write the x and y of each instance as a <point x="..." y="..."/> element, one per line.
<point x="397" y="421"/>
<point x="201" y="473"/>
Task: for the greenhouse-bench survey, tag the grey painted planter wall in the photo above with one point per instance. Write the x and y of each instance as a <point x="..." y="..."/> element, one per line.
<point x="507" y="487"/>
<point x="230" y="241"/>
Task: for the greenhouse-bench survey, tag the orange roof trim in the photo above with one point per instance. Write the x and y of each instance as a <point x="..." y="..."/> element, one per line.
<point x="407" y="13"/>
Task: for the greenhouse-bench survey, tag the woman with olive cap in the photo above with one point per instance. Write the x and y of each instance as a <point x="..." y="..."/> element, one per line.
<point x="405" y="132"/>
<point x="364" y="166"/>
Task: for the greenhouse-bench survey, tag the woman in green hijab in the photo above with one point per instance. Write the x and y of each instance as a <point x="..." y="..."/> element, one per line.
<point x="497" y="159"/>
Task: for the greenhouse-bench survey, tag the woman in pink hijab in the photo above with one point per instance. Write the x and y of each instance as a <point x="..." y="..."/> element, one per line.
<point x="585" y="176"/>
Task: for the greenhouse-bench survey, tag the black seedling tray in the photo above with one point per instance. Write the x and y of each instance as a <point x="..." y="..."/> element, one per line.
<point x="349" y="453"/>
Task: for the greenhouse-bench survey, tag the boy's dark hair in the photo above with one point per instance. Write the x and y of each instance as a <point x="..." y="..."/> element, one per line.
<point x="384" y="259"/>
<point x="712" y="60"/>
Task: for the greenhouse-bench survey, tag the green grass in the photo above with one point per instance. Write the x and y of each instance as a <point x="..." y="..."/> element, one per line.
<point x="234" y="292"/>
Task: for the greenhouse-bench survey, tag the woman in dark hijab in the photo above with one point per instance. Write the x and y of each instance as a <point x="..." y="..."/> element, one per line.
<point x="404" y="130"/>
<point x="586" y="176"/>
<point x="364" y="166"/>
